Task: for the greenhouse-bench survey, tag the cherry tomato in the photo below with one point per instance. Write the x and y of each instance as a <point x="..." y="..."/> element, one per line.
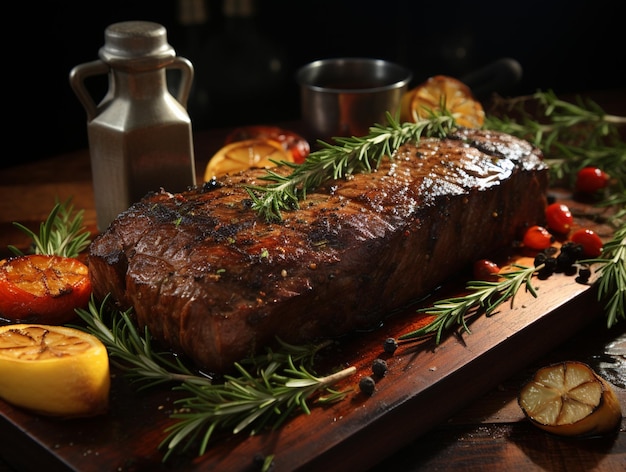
<point x="292" y="142"/>
<point x="43" y="289"/>
<point x="589" y="240"/>
<point x="537" y="237"/>
<point x="591" y="179"/>
<point x="485" y="269"/>
<point x="559" y="218"/>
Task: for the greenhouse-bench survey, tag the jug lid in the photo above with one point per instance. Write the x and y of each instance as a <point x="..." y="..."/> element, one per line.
<point x="136" y="42"/>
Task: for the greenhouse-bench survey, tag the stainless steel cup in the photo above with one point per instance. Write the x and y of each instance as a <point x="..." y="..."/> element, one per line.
<point x="346" y="96"/>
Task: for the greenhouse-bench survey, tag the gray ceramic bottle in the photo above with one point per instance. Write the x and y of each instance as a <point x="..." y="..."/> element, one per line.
<point x="140" y="135"/>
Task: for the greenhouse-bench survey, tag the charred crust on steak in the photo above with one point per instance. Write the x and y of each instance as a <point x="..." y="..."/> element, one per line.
<point x="211" y="279"/>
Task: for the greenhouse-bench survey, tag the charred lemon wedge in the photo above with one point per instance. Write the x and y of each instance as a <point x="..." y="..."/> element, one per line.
<point x="570" y="399"/>
<point x="245" y="154"/>
<point x="440" y="92"/>
<point x="53" y="370"/>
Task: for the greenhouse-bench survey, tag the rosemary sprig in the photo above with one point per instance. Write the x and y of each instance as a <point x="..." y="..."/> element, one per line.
<point x="571" y="135"/>
<point x="249" y="401"/>
<point x="62" y="234"/>
<point x="616" y="200"/>
<point x="333" y="161"/>
<point x="484" y="297"/>
<point x="131" y="352"/>
<point x="271" y="389"/>
<point x="612" y="276"/>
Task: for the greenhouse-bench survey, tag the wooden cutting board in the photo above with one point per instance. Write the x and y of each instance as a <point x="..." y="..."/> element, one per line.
<point x="424" y="386"/>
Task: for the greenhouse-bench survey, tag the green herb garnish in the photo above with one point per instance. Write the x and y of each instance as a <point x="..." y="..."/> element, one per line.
<point x="266" y="389"/>
<point x="265" y="396"/>
<point x="611" y="267"/>
<point x="333" y="161"/>
<point x="571" y="136"/>
<point x="484" y="297"/>
<point x="62" y="234"/>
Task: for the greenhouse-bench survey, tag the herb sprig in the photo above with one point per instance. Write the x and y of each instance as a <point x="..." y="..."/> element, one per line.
<point x="483" y="297"/>
<point x="333" y="161"/>
<point x="132" y="352"/>
<point x="62" y="234"/>
<point x="611" y="267"/>
<point x="571" y="136"/>
<point x="269" y="390"/>
<point x="252" y="400"/>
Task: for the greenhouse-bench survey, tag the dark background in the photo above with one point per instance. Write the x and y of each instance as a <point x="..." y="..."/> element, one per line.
<point x="568" y="46"/>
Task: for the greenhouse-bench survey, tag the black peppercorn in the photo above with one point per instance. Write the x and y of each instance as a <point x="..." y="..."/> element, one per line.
<point x="570" y="253"/>
<point x="584" y="273"/>
<point x="379" y="367"/>
<point x="390" y="345"/>
<point x="550" y="264"/>
<point x="367" y="385"/>
<point x="540" y="259"/>
<point x="572" y="249"/>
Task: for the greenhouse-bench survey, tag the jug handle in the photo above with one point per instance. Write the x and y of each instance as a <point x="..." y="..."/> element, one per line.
<point x="77" y="80"/>
<point x="186" y="69"/>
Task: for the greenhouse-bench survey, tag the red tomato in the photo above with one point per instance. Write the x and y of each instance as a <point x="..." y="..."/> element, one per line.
<point x="589" y="240"/>
<point x="292" y="142"/>
<point x="43" y="289"/>
<point x="485" y="269"/>
<point x="591" y="179"/>
<point x="559" y="218"/>
<point x="538" y="238"/>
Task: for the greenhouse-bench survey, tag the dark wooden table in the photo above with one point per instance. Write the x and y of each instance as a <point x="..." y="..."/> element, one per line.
<point x="487" y="432"/>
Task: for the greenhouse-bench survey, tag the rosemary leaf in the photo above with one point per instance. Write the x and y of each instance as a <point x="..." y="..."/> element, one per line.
<point x="131" y="352"/>
<point x="334" y="161"/>
<point x="246" y="402"/>
<point x="611" y="266"/>
<point x="62" y="234"/>
<point x="483" y="297"/>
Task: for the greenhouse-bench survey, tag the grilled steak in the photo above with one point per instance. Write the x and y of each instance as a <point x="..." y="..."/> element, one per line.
<point x="213" y="280"/>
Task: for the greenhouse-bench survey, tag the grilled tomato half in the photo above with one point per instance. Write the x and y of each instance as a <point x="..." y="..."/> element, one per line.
<point x="37" y="288"/>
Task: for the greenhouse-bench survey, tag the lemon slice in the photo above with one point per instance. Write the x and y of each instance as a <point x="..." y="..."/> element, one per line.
<point x="245" y="154"/>
<point x="53" y="370"/>
<point x="456" y="97"/>
<point x="570" y="399"/>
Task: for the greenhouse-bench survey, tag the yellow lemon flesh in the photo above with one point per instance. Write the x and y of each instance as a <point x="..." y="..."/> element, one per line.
<point x="439" y="92"/>
<point x="245" y="154"/>
<point x="570" y="399"/>
<point x="54" y="370"/>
